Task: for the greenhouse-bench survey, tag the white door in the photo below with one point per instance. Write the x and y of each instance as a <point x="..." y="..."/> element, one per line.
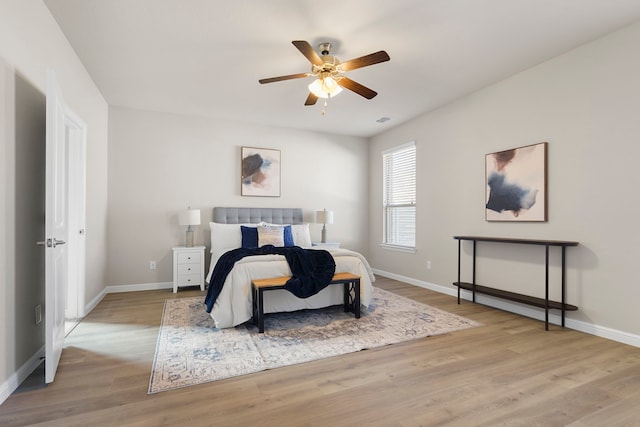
<point x="55" y="228"/>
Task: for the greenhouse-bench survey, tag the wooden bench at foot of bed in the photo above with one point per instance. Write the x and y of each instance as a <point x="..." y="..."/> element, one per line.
<point x="351" y="283"/>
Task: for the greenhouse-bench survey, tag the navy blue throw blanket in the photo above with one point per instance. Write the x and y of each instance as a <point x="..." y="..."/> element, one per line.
<point x="311" y="270"/>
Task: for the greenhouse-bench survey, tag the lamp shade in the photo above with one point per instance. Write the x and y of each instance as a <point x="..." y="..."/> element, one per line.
<point x="324" y="217"/>
<point x="190" y="217"/>
<point x="325" y="87"/>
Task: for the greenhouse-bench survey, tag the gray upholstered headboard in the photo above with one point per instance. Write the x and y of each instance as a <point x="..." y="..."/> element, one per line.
<point x="256" y="215"/>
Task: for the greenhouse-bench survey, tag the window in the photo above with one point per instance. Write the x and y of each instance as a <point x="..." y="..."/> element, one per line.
<point x="399" y="196"/>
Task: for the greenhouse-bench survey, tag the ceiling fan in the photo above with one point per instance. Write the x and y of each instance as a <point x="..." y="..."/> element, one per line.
<point x="329" y="72"/>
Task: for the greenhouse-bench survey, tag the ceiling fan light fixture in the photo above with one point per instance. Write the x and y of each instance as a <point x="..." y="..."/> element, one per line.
<point x="329" y="85"/>
<point x="325" y="87"/>
<point x="329" y="72"/>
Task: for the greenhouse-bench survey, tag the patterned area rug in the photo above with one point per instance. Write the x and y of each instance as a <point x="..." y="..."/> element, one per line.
<point x="190" y="350"/>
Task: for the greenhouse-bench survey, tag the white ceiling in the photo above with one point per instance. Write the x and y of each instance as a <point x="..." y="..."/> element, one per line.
<point x="204" y="57"/>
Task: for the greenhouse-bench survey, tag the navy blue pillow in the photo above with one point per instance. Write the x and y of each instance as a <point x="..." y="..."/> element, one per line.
<point x="249" y="237"/>
<point x="288" y="236"/>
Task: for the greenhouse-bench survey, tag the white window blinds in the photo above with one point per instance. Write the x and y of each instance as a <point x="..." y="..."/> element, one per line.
<point x="399" y="198"/>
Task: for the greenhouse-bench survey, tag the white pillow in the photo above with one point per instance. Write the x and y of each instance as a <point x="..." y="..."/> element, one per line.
<point x="301" y="235"/>
<point x="270" y="235"/>
<point x="225" y="236"/>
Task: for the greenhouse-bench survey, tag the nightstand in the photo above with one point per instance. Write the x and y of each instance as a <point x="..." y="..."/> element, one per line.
<point x="188" y="267"/>
<point x="330" y="245"/>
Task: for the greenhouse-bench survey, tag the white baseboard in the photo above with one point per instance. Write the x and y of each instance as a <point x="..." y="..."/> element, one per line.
<point x="94" y="302"/>
<point x="138" y="287"/>
<point x="524" y="310"/>
<point x="14" y="381"/>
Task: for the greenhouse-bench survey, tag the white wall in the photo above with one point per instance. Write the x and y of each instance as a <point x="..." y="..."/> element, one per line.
<point x="159" y="164"/>
<point x="586" y="105"/>
<point x="30" y="43"/>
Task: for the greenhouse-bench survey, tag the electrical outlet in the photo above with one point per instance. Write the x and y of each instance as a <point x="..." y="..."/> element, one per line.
<point x="152" y="265"/>
<point x="38" y="314"/>
<point x="428" y="265"/>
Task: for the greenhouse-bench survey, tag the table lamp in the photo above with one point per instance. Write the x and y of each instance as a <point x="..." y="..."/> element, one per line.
<point x="189" y="218"/>
<point x="324" y="217"/>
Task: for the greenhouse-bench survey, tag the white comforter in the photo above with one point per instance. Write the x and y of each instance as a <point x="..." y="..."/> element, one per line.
<point x="234" y="306"/>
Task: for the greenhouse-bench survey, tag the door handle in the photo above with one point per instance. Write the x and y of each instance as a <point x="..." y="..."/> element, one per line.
<point x="51" y="243"/>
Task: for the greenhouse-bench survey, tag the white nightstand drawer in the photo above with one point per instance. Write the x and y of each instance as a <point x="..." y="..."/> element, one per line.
<point x="189" y="279"/>
<point x="188" y="257"/>
<point x="185" y="269"/>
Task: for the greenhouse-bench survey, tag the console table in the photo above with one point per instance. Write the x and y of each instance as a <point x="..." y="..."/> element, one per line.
<point x="512" y="296"/>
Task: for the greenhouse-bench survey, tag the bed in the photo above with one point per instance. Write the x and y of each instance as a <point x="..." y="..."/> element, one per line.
<point x="233" y="305"/>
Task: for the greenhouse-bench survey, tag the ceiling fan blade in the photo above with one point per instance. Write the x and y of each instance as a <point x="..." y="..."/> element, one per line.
<point x="363" y="61"/>
<point x="281" y="78"/>
<point x="311" y="99"/>
<point x="356" y="87"/>
<point x="306" y="49"/>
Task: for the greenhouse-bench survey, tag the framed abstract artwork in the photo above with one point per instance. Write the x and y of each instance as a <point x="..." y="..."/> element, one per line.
<point x="516" y="184"/>
<point x="260" y="172"/>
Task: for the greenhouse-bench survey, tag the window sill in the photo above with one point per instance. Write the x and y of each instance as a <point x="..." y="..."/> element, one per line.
<point x="398" y="248"/>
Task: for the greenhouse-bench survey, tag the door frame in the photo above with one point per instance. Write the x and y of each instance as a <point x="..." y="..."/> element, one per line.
<point x="76" y="141"/>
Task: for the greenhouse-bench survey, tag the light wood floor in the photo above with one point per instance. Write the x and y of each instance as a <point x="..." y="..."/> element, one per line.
<point x="509" y="372"/>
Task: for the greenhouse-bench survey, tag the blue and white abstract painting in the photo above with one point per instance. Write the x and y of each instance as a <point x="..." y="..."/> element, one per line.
<point x="516" y="184"/>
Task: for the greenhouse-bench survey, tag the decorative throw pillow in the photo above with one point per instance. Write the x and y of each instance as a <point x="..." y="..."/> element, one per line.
<point x="288" y="236"/>
<point x="249" y="237"/>
<point x="270" y="235"/>
<point x="288" y="233"/>
<point x="301" y="235"/>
